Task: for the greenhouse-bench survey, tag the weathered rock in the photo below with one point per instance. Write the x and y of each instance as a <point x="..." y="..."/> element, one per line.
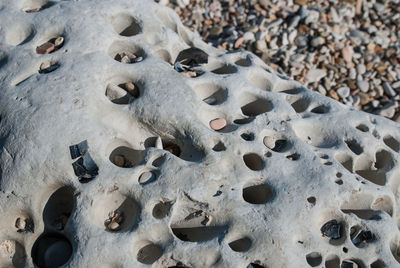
<point x="283" y="162"/>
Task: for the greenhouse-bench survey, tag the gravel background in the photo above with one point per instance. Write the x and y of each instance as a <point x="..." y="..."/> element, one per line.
<point x="348" y="50"/>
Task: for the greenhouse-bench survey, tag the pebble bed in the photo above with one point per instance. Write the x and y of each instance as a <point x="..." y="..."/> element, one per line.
<point x="348" y="50"/>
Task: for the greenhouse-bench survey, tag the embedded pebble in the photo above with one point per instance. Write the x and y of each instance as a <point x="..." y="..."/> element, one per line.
<point x="332" y="229"/>
<point x="24" y="224"/>
<point x="146" y="177"/>
<point x="218" y="123"/>
<point x="119" y="160"/>
<point x="45" y="48"/>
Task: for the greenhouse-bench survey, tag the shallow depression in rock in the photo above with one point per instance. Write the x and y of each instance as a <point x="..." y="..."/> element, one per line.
<point x="125" y="25"/>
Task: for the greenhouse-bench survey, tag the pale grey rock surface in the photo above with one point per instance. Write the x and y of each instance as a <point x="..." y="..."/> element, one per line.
<point x="257" y="191"/>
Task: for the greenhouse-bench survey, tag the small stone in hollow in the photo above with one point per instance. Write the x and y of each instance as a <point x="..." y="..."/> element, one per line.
<point x="218" y="123"/>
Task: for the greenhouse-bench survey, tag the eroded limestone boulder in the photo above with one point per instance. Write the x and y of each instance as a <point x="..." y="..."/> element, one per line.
<point x="127" y="142"/>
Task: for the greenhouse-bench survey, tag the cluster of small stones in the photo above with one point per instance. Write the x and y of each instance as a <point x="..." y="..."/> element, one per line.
<point x="250" y="170"/>
<point x="348" y="50"/>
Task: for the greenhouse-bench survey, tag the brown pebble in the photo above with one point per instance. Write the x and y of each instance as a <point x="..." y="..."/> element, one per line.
<point x="45" y="48"/>
<point x="119" y="160"/>
<point x="218" y="123"/>
<point x="132" y="89"/>
<point x="173" y="149"/>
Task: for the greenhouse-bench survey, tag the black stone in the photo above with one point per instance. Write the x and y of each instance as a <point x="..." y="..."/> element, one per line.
<point x="79" y="149"/>
<point x="332" y="229"/>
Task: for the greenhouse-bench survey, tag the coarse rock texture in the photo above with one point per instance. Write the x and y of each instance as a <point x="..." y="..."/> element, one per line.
<point x="283" y="177"/>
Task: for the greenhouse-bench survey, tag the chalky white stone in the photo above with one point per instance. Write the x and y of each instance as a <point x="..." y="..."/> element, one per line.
<point x="295" y="179"/>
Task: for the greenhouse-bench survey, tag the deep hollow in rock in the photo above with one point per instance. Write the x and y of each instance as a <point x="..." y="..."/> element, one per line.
<point x="241" y="244"/>
<point x="125" y="25"/>
<point x="391" y="142"/>
<point x="211" y="93"/>
<point x="59" y="208"/>
<point x="314" y="259"/>
<point x="197" y="234"/>
<point x="253" y="161"/>
<point x="149" y="253"/>
<point x="252" y="105"/>
<point x="257" y="194"/>
<point x="51" y="250"/>
<point x="126" y="157"/>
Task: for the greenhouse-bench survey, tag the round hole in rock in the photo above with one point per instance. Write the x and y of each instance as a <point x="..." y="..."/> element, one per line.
<point x="247" y="136"/>
<point x="19" y="34"/>
<point x="312" y="200"/>
<point x="321" y="109"/>
<point x="147" y="177"/>
<point x="114" y="212"/>
<point x="378" y="264"/>
<point x="354" y="146"/>
<point x="276" y="142"/>
<point x="332" y="261"/>
<point x="126" y="157"/>
<point x="253" y="161"/>
<point x="293" y="157"/>
<point x="161" y="209"/>
<point x="125" y="25"/>
<point x="219" y="147"/>
<point x="391" y="142"/>
<point x="51" y="250"/>
<point x="345" y="160"/>
<point x="197" y="233"/>
<point x="339" y="182"/>
<point x="292" y="91"/>
<point x="362" y="127"/>
<point x="260" y="80"/>
<point x="314" y="133"/>
<point x="123" y="93"/>
<point x="314" y="259"/>
<point x="243" y="121"/>
<point x="12" y="254"/>
<point x="158" y="161"/>
<point x="58" y="208"/>
<point x="240" y="245"/>
<point x="345" y="250"/>
<point x="126" y="52"/>
<point x="149" y="254"/>
<point x="164" y="55"/>
<point x="384" y="160"/>
<point x="257" y="194"/>
<point x="244" y="62"/>
<point x="252" y="105"/>
<point x="211" y="93"/>
<point x="254" y="265"/>
<point x="224" y="69"/>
